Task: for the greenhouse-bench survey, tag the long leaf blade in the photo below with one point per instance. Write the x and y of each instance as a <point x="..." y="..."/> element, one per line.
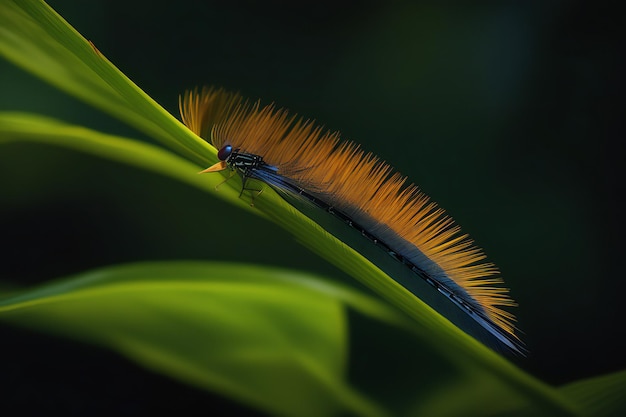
<point x="36" y="38"/>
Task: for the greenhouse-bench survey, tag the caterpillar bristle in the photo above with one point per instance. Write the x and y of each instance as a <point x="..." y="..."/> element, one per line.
<point x="355" y="181"/>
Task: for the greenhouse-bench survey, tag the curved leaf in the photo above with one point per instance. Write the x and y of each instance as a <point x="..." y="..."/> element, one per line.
<point x="602" y="396"/>
<point x="272" y="338"/>
<point x="36" y="38"/>
<point x="25" y="127"/>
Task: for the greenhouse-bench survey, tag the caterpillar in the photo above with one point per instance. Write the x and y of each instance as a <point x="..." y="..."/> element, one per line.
<point x="304" y="162"/>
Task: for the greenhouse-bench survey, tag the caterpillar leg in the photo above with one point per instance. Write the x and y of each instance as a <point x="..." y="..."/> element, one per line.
<point x="226" y="180"/>
<point x="253" y="195"/>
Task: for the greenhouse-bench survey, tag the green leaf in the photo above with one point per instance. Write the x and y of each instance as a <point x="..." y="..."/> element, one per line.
<point x="603" y="396"/>
<point x="272" y="338"/>
<point x="25" y="127"/>
<point x="36" y="38"/>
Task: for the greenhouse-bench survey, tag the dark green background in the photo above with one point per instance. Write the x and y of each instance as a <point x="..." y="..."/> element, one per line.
<point x="509" y="114"/>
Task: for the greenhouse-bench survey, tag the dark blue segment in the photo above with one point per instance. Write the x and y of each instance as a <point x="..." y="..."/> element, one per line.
<point x="225" y="152"/>
<point x="456" y="304"/>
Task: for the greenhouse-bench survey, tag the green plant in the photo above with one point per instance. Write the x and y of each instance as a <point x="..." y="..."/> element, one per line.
<point x="287" y="324"/>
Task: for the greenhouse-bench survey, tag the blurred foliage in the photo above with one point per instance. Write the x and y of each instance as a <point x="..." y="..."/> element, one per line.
<point x="271" y="338"/>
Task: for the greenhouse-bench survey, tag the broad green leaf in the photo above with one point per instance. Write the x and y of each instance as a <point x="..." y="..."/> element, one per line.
<point x="272" y="338"/>
<point x="603" y="396"/>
